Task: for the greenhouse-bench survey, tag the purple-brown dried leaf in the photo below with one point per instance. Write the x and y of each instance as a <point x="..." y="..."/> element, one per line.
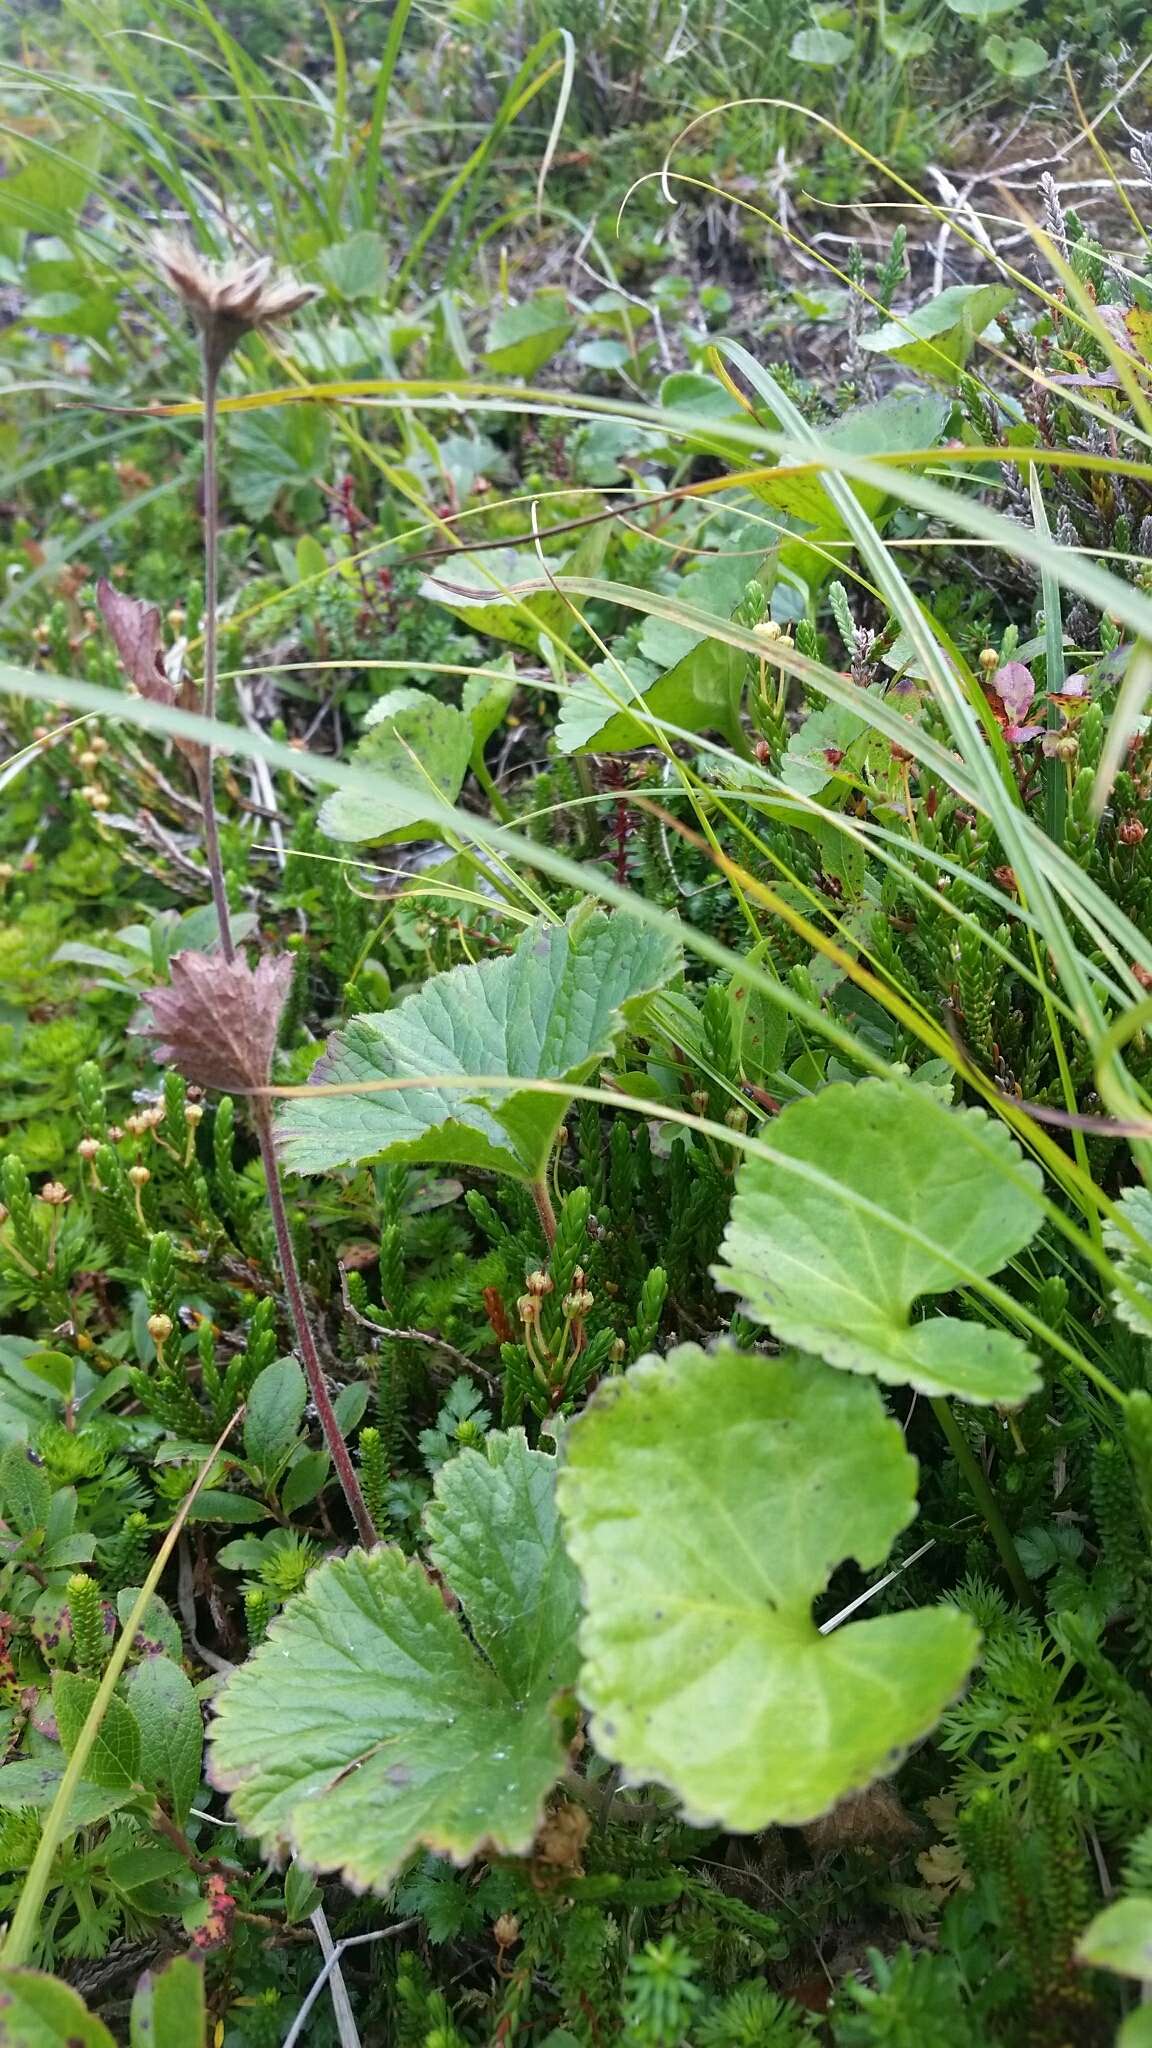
<point x="218" y="1021"/>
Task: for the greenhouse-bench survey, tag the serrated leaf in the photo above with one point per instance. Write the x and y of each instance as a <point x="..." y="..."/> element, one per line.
<point x="876" y="1196"/>
<point x="368" y="1724"/>
<point x="1120" y="1938"/>
<point x="552" y="1009"/>
<point x="419" y="742"/>
<point x="520" y="1594"/>
<point x="37" y="2011"/>
<point x="114" y="1758"/>
<point x="1134" y="1263"/>
<point x="168" y="2009"/>
<point x="473" y="586"/>
<point x="707" y="1501"/>
<point x="273" y="1415"/>
<point x="166" y="1711"/>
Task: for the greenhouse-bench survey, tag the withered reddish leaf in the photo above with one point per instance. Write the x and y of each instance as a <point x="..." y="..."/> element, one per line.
<point x="217" y="1022"/>
<point x="135" y="627"/>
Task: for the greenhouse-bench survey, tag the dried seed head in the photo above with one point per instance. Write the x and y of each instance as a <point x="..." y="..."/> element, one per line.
<point x="506" y="1930"/>
<point x="228" y="300"/>
<point x="55" y="1194"/>
<point x="218" y="1021"/>
<point x="88" y="1148"/>
<point x="160" y="1328"/>
<point x="539" y="1282"/>
<point x="136" y="1125"/>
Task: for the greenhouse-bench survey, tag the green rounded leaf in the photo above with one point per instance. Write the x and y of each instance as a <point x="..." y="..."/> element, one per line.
<point x="820" y="47"/>
<point x="875" y="1196"/>
<point x="417" y="741"/>
<point x="1023" y="57"/>
<point x="1120" y="1938"/>
<point x="552" y="1009"/>
<point x="707" y="1502"/>
<point x="368" y="1724"/>
<point x="38" y="2012"/>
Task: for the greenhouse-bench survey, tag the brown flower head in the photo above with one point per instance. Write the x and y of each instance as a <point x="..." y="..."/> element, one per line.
<point x="228" y="300"/>
<point x="218" y="1020"/>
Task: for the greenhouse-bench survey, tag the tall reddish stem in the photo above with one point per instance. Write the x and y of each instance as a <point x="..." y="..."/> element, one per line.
<point x="306" y="1342"/>
<point x="211" y="601"/>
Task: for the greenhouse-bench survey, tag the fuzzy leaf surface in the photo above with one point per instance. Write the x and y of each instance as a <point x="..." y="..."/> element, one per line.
<point x="878" y="1196"/>
<point x="552" y="1009"/>
<point x="707" y="1502"/>
<point x="368" y="1725"/>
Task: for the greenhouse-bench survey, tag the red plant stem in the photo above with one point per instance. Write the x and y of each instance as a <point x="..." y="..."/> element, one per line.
<point x="544" y="1209"/>
<point x="208" y="706"/>
<point x="310" y="1358"/>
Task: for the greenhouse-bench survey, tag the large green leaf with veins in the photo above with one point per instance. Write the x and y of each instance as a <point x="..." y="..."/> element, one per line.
<point x="876" y="1195"/>
<point x="368" y="1724"/>
<point x="419" y="743"/>
<point x="707" y="1502"/>
<point x="553" y="1009"/>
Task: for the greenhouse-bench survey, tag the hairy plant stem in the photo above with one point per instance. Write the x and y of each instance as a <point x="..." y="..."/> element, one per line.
<point x="208" y="705"/>
<point x="985" y="1500"/>
<point x="544" y="1209"/>
<point x="306" y="1342"/>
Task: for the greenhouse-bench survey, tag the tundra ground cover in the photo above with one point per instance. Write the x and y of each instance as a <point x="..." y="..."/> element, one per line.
<point x="576" y="1273"/>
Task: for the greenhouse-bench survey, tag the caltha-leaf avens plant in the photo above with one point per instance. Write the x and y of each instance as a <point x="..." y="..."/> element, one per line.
<point x="218" y="1020"/>
<point x="226" y="302"/>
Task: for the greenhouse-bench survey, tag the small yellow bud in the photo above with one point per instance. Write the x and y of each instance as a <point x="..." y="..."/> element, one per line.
<point x="159" y="1328"/>
<point x="98" y="744"/>
<point x="139" y="1176"/>
<point x="767" y="629"/>
<point x="87" y="760"/>
<point x="989" y="659"/>
<point x="194" y="1113"/>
